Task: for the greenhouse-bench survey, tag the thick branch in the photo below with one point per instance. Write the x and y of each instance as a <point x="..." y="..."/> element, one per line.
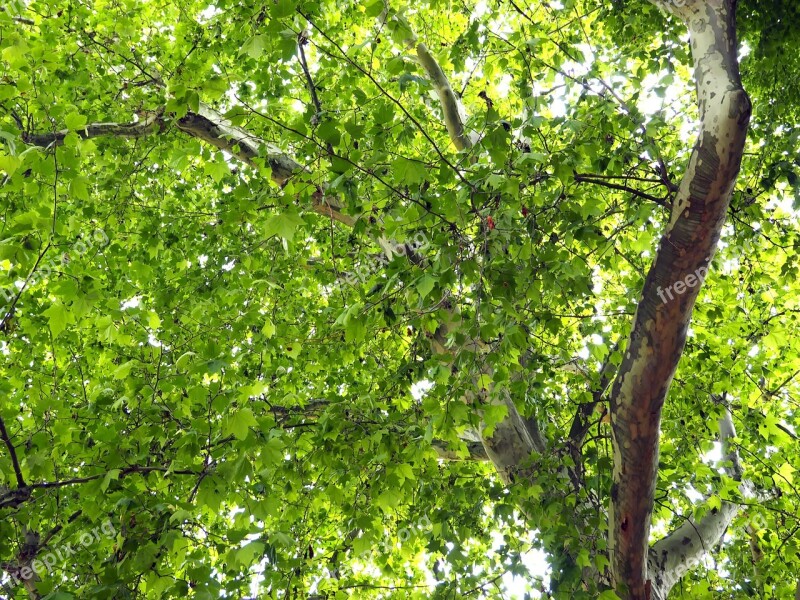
<point x="146" y="126"/>
<point x="451" y="105"/>
<point x="662" y="318"/>
<point x="211" y="127"/>
<point x="452" y="110"/>
<point x="671" y="557"/>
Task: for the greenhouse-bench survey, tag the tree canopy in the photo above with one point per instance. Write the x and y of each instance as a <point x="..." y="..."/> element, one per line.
<point x="370" y="300"/>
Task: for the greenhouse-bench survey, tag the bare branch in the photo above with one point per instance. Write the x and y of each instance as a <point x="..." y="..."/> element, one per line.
<point x="302" y="40"/>
<point x="623" y="188"/>
<point x="211" y="127"/>
<point x="21" y="20"/>
<point x="13" y="453"/>
<point x="451" y="104"/>
<point x="452" y="109"/>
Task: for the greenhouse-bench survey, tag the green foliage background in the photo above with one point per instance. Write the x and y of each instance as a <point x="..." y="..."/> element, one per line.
<point x="233" y="403"/>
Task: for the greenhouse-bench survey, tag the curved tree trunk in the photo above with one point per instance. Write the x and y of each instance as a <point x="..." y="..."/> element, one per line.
<point x="671" y="288"/>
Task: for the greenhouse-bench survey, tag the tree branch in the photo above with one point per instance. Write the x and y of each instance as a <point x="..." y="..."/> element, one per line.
<point x="22" y="20"/>
<point x="150" y="124"/>
<point x="122" y="473"/>
<point x="671" y="557"/>
<point x="13" y="498"/>
<point x="13" y="453"/>
<point x="452" y="110"/>
<point x="211" y="127"/>
<point x="302" y="40"/>
<point x="659" y="331"/>
<point x="623" y="188"/>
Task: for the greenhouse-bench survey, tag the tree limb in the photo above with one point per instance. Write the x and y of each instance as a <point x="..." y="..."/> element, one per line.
<point x="674" y="555"/>
<point x="13" y="498"/>
<point x="13" y="453"/>
<point x="452" y="110"/>
<point x="22" y="20"/>
<point x="150" y="124"/>
<point x="211" y="127"/>
<point x="623" y="188"/>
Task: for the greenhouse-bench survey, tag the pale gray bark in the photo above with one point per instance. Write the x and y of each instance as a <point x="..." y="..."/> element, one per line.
<point x="673" y="556"/>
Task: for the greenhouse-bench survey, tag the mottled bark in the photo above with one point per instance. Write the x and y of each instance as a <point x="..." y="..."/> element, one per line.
<point x="671" y="288"/>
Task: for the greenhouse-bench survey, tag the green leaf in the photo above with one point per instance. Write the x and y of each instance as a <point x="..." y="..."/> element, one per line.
<point x="56" y="318"/>
<point x="408" y="171"/>
<point x="112" y="475"/>
<point x="240" y="422"/>
<point x="9" y="164"/>
<point x="269" y="328"/>
<point x="153" y="321"/>
<point x="75" y="121"/>
<point x="249" y="553"/>
<point x="373" y="9"/>
<point x="284" y="225"/>
<point x="254" y="47"/>
<point x="184" y="360"/>
<point x="78" y="188"/>
<point x="425" y="285"/>
<point x="193" y="101"/>
<point x="122" y="371"/>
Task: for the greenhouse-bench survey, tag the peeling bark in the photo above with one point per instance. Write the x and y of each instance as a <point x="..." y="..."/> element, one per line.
<point x="662" y="319"/>
<point x="211" y="127"/>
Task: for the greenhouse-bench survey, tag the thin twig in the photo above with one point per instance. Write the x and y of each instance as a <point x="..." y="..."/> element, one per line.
<point x="302" y="40"/>
<point x="624" y="188"/>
